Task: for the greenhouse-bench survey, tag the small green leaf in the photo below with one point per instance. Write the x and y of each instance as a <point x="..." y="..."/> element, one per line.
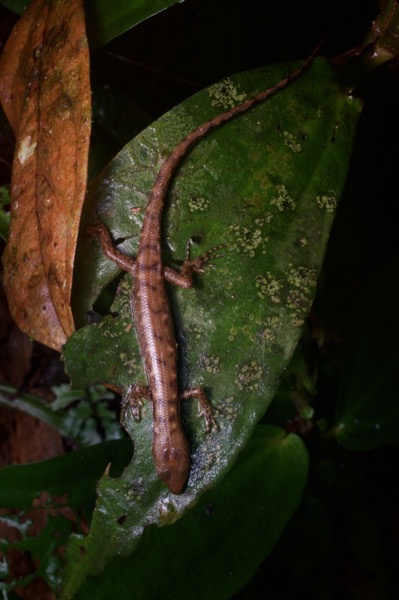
<point x="214" y="550"/>
<point x="368" y="408"/>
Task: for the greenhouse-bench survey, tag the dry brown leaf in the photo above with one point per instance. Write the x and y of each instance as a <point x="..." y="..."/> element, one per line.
<point x="45" y="93"/>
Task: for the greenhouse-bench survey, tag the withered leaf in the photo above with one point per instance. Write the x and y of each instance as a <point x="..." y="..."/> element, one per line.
<point x="45" y="93"/>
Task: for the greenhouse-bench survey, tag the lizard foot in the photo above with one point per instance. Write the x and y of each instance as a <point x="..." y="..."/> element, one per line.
<point x="199" y="263"/>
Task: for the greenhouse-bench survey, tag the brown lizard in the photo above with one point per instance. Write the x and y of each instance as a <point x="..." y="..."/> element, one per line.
<point x="151" y="309"/>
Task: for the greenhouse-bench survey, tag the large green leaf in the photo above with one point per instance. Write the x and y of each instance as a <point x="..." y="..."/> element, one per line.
<point x="74" y="473"/>
<point x="368" y="409"/>
<point x="266" y="185"/>
<point x="17" y="6"/>
<point x="225" y="536"/>
<point x="106" y="19"/>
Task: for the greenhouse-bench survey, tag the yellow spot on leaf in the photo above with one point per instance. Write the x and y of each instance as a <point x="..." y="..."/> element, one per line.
<point x="283" y="200"/>
<point x="328" y="203"/>
<point x="225" y="94"/>
<point x="291" y="142"/>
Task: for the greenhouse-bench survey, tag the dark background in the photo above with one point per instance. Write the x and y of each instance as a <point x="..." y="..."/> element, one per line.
<point x="344" y="541"/>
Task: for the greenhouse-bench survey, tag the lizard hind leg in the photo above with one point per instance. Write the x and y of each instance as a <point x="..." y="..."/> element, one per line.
<point x="205" y="408"/>
<point x="133" y="400"/>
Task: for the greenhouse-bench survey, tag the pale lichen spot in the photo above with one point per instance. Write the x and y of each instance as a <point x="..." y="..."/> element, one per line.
<point x="246" y="330"/>
<point x="255" y="200"/>
<point x="227" y="283"/>
<point x="230" y="408"/>
<point x="266" y="219"/>
<point x="130" y="364"/>
<point x="109" y="334"/>
<point x="297" y="302"/>
<point x="268" y="333"/>
<point x="304" y="242"/>
<point x="225" y="95"/>
<point x="301" y="277"/>
<point x="233" y="333"/>
<point x="291" y="142"/>
<point x="268" y="286"/>
<point x="198" y="331"/>
<point x="247" y="240"/>
<point x="198" y="204"/>
<point x="248" y="376"/>
<point x="211" y="364"/>
<point x="302" y="281"/>
<point x="283" y="200"/>
<point x="26" y="149"/>
<point x="327" y="203"/>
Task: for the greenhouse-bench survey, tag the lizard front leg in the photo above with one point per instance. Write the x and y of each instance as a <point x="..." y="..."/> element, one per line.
<point x="124" y="262"/>
<point x="184" y="277"/>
